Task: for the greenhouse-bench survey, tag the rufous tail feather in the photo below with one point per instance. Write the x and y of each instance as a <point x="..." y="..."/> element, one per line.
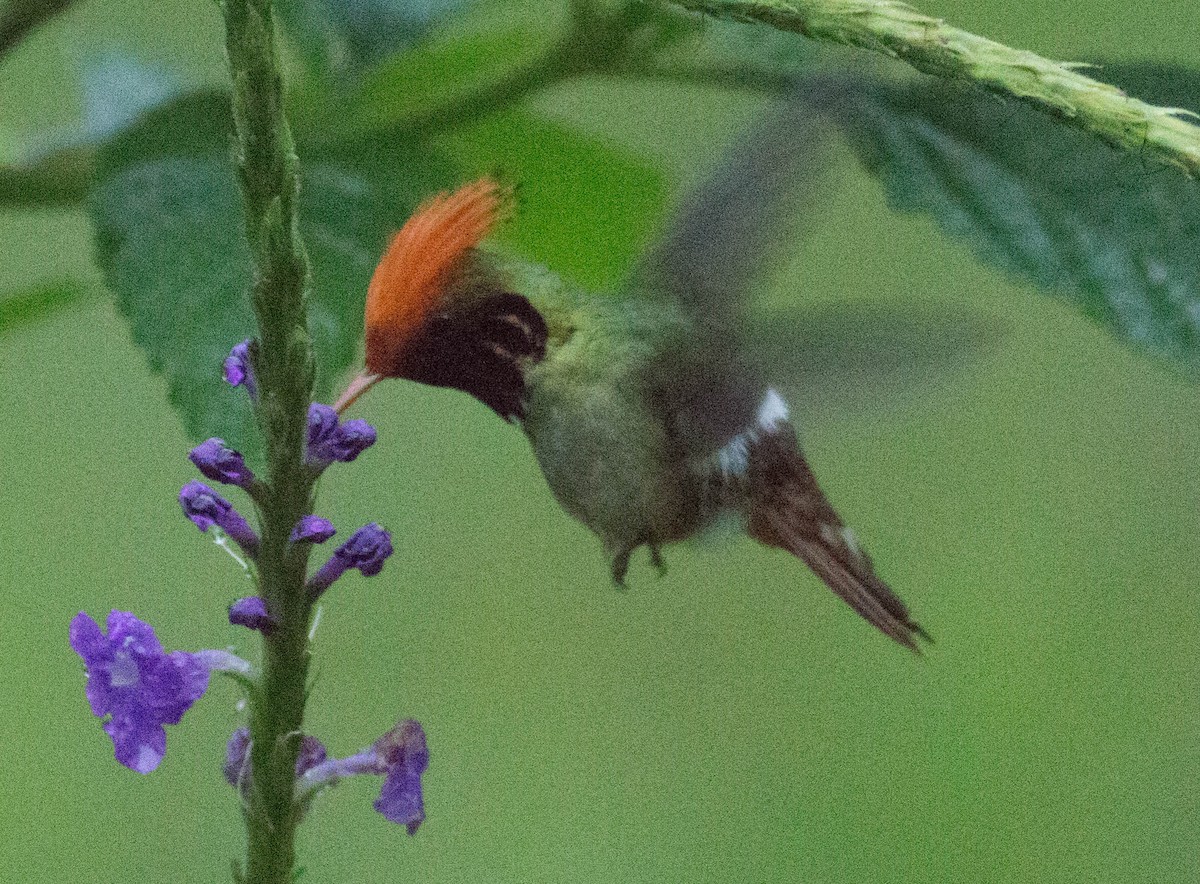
<point x="788" y="510"/>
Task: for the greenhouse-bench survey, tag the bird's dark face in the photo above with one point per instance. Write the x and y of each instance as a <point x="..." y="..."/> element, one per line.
<point x="482" y="347"/>
<point x="437" y="314"/>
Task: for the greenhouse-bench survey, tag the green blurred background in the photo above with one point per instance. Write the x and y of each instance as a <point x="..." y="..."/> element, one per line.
<point x="1036" y="506"/>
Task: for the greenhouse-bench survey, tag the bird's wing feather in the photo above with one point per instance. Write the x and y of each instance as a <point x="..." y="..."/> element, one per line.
<point x="727" y="231"/>
<point x="723" y="236"/>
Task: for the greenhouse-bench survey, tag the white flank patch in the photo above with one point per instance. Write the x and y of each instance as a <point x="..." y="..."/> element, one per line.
<point x="773" y="411"/>
<point x="735" y="456"/>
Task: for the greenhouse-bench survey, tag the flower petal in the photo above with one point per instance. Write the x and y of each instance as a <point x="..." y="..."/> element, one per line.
<point x="405" y="755"/>
<point x="87" y="640"/>
<point x="137" y="744"/>
<point x="401" y="801"/>
<point x="127" y="632"/>
<point x="98" y="695"/>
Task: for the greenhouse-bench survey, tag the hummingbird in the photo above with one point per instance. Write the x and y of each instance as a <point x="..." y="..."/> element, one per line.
<point x="645" y="408"/>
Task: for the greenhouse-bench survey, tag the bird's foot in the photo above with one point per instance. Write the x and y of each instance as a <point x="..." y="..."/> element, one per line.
<point x="656" y="560"/>
<point x="620" y="567"/>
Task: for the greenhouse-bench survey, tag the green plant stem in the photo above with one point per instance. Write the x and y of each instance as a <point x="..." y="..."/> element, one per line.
<point x="743" y="78"/>
<point x="932" y="46"/>
<point x="268" y="171"/>
<point x="20" y="17"/>
<point x="597" y="41"/>
<point x="560" y="62"/>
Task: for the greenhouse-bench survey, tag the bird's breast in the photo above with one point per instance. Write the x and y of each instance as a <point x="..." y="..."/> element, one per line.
<point x="602" y="438"/>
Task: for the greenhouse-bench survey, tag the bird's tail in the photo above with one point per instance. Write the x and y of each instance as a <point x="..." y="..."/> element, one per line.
<point x="787" y="509"/>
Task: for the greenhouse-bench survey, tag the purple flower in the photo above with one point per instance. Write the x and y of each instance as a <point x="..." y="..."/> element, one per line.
<point x="207" y="508"/>
<point x="329" y="441"/>
<point x="239" y="369"/>
<point x="237" y="757"/>
<point x="312" y="753"/>
<point x="405" y="757"/>
<point x="312" y="529"/>
<point x="237" y="763"/>
<point x="221" y="464"/>
<point x="322" y="425"/>
<point x="356" y="437"/>
<point x="251" y="612"/>
<point x="366" y="550"/>
<point x="401" y="756"/>
<point x="134" y="682"/>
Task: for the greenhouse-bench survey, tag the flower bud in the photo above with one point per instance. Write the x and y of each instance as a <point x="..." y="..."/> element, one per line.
<point x="220" y="463"/>
<point x="239" y="369"/>
<point x="329" y="441"/>
<point x="252" y="613"/>
<point x="312" y="529"/>
<point x="366" y="550"/>
<point x="206" y="508"/>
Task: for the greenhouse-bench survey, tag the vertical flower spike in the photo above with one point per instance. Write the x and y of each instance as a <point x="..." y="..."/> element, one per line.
<point x="366" y="550"/>
<point x="239" y="369"/>
<point x="219" y="463"/>
<point x="206" y="508"/>
<point x="421" y="261"/>
<point x="138" y="685"/>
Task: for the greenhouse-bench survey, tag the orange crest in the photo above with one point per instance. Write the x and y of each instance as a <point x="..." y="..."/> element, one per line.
<point x="421" y="261"/>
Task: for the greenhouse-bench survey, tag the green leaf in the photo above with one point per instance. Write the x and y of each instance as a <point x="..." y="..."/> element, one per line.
<point x="583" y="208"/>
<point x="1117" y="236"/>
<point x="172" y="246"/>
<point x="349" y="36"/>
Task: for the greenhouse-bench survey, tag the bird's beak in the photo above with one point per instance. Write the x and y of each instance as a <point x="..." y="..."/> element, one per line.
<point x="362" y="382"/>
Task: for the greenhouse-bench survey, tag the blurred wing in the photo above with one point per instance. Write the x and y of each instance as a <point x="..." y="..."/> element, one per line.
<point x="868" y="358"/>
<point x="729" y="230"/>
<point x="723" y="236"/>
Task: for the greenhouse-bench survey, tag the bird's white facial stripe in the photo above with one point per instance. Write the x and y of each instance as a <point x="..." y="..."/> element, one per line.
<point x="734" y="457"/>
